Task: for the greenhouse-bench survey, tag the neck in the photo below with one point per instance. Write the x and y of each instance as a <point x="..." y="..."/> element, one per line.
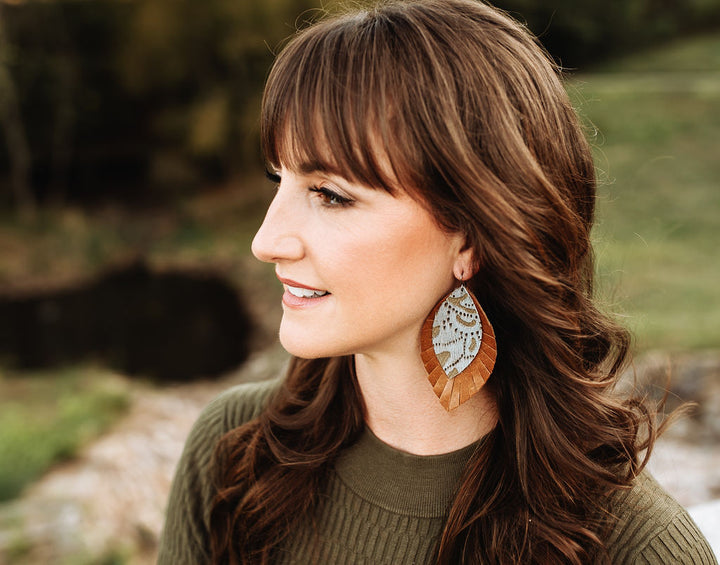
<point x="403" y="411"/>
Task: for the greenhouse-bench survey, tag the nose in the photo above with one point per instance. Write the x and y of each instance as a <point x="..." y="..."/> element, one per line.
<point x="278" y="239"/>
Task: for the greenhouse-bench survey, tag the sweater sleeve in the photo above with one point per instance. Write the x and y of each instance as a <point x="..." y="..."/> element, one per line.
<point x="653" y="529"/>
<point x="186" y="539"/>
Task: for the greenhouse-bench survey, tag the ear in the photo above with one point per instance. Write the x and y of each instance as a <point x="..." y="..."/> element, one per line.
<point x="466" y="264"/>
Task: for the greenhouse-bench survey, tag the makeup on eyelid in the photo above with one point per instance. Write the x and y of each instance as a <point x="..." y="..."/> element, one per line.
<point x="330" y="197"/>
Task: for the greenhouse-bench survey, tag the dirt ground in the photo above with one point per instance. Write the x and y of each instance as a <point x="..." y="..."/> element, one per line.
<point x="109" y="502"/>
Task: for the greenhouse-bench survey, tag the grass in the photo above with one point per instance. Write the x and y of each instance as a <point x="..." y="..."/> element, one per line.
<point x="658" y="228"/>
<point x="45" y="417"/>
<point x="62" y="244"/>
<point x="657" y="121"/>
<point x="657" y="118"/>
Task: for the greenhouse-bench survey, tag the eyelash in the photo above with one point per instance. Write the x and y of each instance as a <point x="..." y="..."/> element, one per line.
<point x="329" y="197"/>
<point x="272" y="176"/>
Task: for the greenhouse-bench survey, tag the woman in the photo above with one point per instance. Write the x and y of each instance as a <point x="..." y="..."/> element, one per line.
<point x="426" y="153"/>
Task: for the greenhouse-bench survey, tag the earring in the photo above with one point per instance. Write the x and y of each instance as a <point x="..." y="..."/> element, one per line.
<point x="458" y="347"/>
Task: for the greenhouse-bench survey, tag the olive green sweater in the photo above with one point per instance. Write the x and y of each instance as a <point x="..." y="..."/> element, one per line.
<point x="384" y="506"/>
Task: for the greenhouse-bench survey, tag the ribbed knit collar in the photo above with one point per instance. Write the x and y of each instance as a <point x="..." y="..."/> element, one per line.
<point x="415" y="485"/>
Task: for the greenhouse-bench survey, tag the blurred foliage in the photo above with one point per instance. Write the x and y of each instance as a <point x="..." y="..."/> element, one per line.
<point x="656" y="153"/>
<point x="579" y="34"/>
<point x="121" y="96"/>
<point x="142" y="100"/>
<point x="46" y="417"/>
<point x="697" y="54"/>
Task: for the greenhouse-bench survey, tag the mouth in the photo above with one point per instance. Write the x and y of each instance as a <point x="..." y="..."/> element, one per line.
<point x="301" y="292"/>
<point x="298" y="295"/>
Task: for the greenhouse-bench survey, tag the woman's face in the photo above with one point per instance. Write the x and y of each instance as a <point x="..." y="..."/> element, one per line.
<point x="361" y="268"/>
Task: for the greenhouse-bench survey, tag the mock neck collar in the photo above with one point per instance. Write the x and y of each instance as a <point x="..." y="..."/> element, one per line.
<point x="416" y="485"/>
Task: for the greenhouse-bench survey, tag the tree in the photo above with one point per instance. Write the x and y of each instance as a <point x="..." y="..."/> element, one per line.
<point x="14" y="130"/>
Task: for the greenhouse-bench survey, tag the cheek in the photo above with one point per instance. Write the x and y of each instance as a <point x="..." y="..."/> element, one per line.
<point x="423" y="252"/>
<point x="407" y="267"/>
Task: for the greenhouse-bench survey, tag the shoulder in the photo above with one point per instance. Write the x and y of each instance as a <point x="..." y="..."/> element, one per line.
<point x="185" y="537"/>
<point x="235" y="407"/>
<point x="231" y="409"/>
<point x="652" y="528"/>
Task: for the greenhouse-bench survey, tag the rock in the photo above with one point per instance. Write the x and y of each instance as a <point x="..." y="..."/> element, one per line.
<point x="110" y="500"/>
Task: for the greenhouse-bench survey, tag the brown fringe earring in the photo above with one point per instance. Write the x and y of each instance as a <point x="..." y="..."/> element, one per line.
<point x="458" y="347"/>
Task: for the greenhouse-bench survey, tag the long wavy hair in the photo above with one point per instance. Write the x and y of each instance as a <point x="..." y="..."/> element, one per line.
<point x="456" y="103"/>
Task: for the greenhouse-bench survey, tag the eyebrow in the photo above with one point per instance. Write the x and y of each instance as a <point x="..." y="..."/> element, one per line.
<point x="315" y="166"/>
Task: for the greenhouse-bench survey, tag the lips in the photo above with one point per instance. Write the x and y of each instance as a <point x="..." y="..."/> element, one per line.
<point x="300" y="295"/>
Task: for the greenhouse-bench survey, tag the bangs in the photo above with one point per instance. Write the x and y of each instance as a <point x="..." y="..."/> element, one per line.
<point x="328" y="105"/>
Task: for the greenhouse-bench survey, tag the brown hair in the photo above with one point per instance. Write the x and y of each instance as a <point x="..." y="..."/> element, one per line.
<point x="473" y="120"/>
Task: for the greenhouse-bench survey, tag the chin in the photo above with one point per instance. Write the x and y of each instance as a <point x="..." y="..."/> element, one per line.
<point x="302" y="346"/>
<point x="308" y="345"/>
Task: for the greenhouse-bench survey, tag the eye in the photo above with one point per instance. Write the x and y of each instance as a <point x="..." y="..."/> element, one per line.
<point x="272" y="176"/>
<point x="329" y="197"/>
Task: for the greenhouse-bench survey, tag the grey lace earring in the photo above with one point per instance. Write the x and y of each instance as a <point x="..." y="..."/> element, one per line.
<point x="458" y="347"/>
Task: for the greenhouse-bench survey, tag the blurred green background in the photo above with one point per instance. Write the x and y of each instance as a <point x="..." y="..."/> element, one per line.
<point x="130" y="132"/>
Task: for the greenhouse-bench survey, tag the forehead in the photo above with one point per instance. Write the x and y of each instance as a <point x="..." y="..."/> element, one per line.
<point x="318" y="115"/>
